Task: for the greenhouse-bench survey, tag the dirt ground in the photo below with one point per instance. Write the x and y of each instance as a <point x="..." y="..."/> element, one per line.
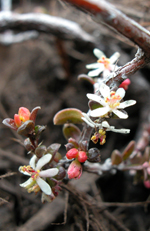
<point x="43" y="72"/>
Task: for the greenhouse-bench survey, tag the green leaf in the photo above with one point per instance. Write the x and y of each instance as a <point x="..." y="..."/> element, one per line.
<point x="87" y="78"/>
<point x="116" y="157"/>
<point x="69" y="115"/>
<point x="128" y="150"/>
<point x="70" y="130"/>
<point x="94" y="105"/>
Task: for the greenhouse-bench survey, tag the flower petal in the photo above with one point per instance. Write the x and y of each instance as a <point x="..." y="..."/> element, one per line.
<point x="98" y="53"/>
<point x="127" y="103"/>
<point x="99" y="111"/>
<point x="27" y="183"/>
<point x="93" y="65"/>
<point x="120" y="92"/>
<point x="96" y="98"/>
<point x="105" y="124"/>
<point x="49" y="172"/>
<point x="105" y="90"/>
<point x="42" y="161"/>
<point x="96" y="72"/>
<point x="44" y="186"/>
<point x="33" y="161"/>
<point x="120" y="114"/>
<point x="114" y="57"/>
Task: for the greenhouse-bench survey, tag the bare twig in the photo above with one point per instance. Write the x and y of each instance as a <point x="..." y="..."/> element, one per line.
<point x="60" y="27"/>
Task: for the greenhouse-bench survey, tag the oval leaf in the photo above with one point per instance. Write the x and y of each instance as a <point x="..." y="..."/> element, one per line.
<point x="128" y="150"/>
<point x="70" y="130"/>
<point x="87" y="78"/>
<point x="10" y="123"/>
<point x="116" y="157"/>
<point x="34" y="113"/>
<point x="69" y="115"/>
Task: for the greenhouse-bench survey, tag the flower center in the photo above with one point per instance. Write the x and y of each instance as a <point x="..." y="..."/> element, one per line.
<point x="34" y="174"/>
<point x="104" y="61"/>
<point x="113" y="101"/>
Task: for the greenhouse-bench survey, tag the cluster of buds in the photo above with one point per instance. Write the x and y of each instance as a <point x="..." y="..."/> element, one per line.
<point x="78" y="153"/>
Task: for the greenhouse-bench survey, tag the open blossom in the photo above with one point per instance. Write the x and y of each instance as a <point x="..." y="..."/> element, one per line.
<point x="103" y="64"/>
<point x="104" y="125"/>
<point x="19" y="119"/>
<point x="37" y="176"/>
<point x="110" y="102"/>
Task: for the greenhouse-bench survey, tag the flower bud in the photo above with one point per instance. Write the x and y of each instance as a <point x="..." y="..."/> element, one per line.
<point x="69" y="146"/>
<point x="82" y="157"/>
<point x="93" y="155"/>
<point x="72" y="153"/>
<point x="75" y="170"/>
<point x="61" y="174"/>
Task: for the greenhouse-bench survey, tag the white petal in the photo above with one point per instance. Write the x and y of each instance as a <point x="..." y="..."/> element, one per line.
<point x="122" y="130"/>
<point x="44" y="186"/>
<point x="127" y="103"/>
<point x="114" y="57"/>
<point x="105" y="124"/>
<point x="42" y="161"/>
<point x="106" y="73"/>
<point x="91" y="124"/>
<point x="96" y="72"/>
<point x="25" y="173"/>
<point x="98" y="53"/>
<point x="96" y="98"/>
<point x="32" y="161"/>
<point x="120" y="114"/>
<point x="49" y="172"/>
<point x="99" y="111"/>
<point x="27" y="183"/>
<point x="121" y="92"/>
<point x="105" y="90"/>
<point x="93" y="65"/>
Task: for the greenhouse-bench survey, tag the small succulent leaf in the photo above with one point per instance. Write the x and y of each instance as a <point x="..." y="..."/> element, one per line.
<point x="53" y="148"/>
<point x="10" y="123"/>
<point x="26" y="128"/>
<point x="71" y="115"/>
<point x="116" y="157"/>
<point x="94" y="105"/>
<point x="87" y="78"/>
<point x="74" y="142"/>
<point x="146" y="156"/>
<point x="70" y="130"/>
<point x="34" y="113"/>
<point x="128" y="150"/>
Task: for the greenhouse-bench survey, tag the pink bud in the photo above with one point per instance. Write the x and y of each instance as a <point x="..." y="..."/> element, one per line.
<point x="75" y="170"/>
<point x="17" y="120"/>
<point x="82" y="157"/>
<point x="24" y="114"/>
<point x="147" y="183"/>
<point x="72" y="153"/>
<point x="125" y="84"/>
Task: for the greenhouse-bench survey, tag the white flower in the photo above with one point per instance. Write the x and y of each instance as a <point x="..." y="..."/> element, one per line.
<point x="103" y="64"/>
<point x="104" y="124"/>
<point x="110" y="102"/>
<point x="36" y="181"/>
